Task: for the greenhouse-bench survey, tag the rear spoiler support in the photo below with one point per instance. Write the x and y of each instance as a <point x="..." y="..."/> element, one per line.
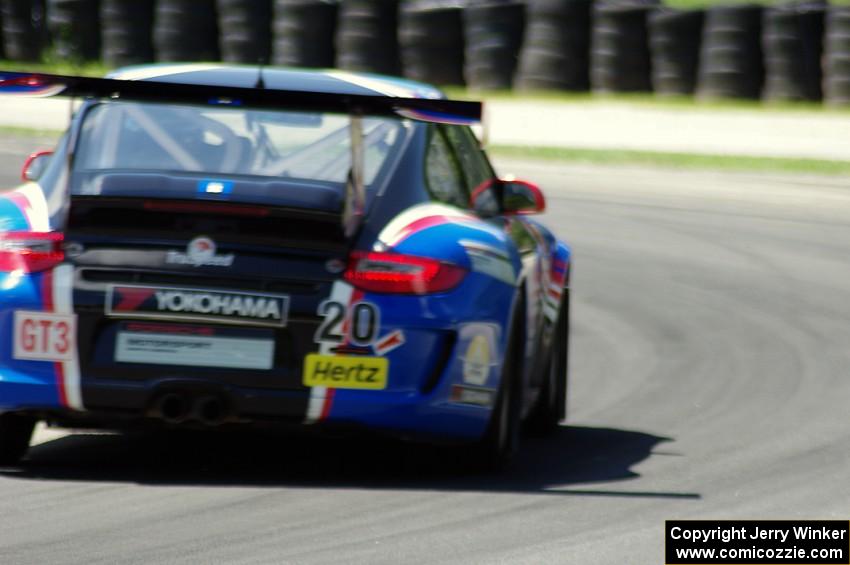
<point x="355" y="191"/>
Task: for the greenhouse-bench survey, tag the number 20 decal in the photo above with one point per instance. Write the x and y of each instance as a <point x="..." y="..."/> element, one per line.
<point x="363" y="322"/>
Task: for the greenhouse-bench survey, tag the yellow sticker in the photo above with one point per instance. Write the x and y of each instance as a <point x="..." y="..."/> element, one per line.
<point x="346" y="371"/>
<point x="476" y="362"/>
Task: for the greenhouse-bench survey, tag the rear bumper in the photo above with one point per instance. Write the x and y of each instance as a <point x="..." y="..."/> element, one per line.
<point x="420" y="402"/>
<point x="119" y="404"/>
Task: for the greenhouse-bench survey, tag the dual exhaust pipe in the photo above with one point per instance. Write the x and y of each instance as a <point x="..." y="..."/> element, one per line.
<point x="176" y="408"/>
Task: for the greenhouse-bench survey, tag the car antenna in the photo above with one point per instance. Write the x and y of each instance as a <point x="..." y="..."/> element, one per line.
<point x="261" y="83"/>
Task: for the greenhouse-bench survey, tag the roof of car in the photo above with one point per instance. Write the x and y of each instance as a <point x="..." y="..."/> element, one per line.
<point x="330" y="81"/>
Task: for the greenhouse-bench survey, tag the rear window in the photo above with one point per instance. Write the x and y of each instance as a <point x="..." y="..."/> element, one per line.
<point x="226" y="140"/>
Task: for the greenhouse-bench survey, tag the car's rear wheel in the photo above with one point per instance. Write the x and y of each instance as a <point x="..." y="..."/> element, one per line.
<point x="15" y="434"/>
<point x="501" y="441"/>
<point x="551" y="406"/>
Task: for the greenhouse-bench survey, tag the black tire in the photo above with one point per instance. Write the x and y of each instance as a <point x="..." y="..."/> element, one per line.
<point x="619" y="53"/>
<point x="731" y="63"/>
<point x="304" y="33"/>
<point x="366" y="36"/>
<point x="23" y="32"/>
<point x="186" y="30"/>
<point x="555" y="51"/>
<point x="126" y="30"/>
<point x="245" y="31"/>
<point x="674" y="41"/>
<point x="431" y="42"/>
<point x="15" y="435"/>
<point x="551" y="406"/>
<point x="74" y="28"/>
<point x="836" y="56"/>
<point x="792" y="40"/>
<point x="493" y="38"/>
<point x="501" y="440"/>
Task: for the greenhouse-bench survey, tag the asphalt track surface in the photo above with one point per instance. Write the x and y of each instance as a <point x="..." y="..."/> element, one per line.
<point x="709" y="367"/>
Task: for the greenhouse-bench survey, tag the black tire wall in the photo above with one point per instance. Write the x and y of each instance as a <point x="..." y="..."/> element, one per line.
<point x="245" y="30"/>
<point x="556" y="48"/>
<point x="185" y="30"/>
<point x="837" y="55"/>
<point x="366" y="36"/>
<point x="674" y="43"/>
<point x="304" y="33"/>
<point x="792" y="41"/>
<point x="493" y="34"/>
<point x="126" y="31"/>
<point x="430" y="37"/>
<point x="731" y="57"/>
<point x="74" y="27"/>
<point x="619" y="54"/>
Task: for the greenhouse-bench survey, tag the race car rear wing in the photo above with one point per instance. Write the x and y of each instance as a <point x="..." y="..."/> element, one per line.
<point x="423" y="109"/>
<point x="356" y="105"/>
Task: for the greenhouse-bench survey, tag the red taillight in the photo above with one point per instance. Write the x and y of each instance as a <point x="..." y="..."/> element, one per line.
<point x="30" y="252"/>
<point x="401" y="274"/>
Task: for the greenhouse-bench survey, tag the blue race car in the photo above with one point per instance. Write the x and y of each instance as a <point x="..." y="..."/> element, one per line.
<point x="214" y="245"/>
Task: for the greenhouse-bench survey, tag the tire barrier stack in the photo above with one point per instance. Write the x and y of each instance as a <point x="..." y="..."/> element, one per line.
<point x="304" y="33"/>
<point x="798" y="50"/>
<point x="493" y="34"/>
<point x="185" y="30"/>
<point x="125" y="31"/>
<point x="731" y="56"/>
<point x="366" y="37"/>
<point x="430" y="37"/>
<point x="74" y="27"/>
<point x="245" y="34"/>
<point x="674" y="43"/>
<point x="837" y="55"/>
<point x="792" y="41"/>
<point x="556" y="48"/>
<point x="619" y="53"/>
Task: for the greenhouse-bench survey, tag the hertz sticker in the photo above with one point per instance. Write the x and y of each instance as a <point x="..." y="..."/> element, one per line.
<point x="346" y="371"/>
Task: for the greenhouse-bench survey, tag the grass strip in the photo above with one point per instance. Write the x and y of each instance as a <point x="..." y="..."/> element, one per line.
<point x="612" y="157"/>
<point x="650" y="100"/>
<point x="674" y="160"/>
<point x="54" y="66"/>
<point x="688" y="4"/>
<point x="17" y="131"/>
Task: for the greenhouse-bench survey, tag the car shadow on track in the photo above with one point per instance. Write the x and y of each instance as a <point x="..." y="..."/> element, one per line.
<point x="572" y="455"/>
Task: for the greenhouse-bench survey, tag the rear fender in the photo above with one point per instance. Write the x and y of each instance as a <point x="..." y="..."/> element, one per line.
<point x="559" y="280"/>
<point x="453" y="235"/>
<point x="555" y="275"/>
<point x="26" y="383"/>
<point x="24" y="208"/>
